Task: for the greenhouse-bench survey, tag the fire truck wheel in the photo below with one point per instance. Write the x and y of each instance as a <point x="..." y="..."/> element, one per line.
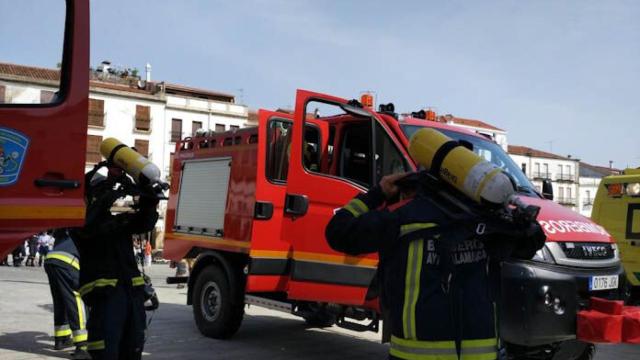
<point x="217" y="314"/>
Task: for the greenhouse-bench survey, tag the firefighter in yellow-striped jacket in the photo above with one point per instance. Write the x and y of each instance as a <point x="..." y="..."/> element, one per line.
<point x="69" y="318"/>
<point x="438" y="297"/>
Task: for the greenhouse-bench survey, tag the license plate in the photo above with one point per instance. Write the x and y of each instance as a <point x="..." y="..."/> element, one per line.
<point x="603" y="282"/>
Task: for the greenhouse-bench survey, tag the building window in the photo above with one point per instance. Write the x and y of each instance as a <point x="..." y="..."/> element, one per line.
<point x="46" y="96"/>
<point x="220" y="128"/>
<point x="560" y="194"/>
<point x="143" y="118"/>
<point x="536" y="170"/>
<point x="96" y="112"/>
<point x="195" y="126"/>
<point x="524" y="168"/>
<point x="142" y="146"/>
<point x="588" y="200"/>
<point x="176" y="130"/>
<point x="569" y="194"/>
<point x="3" y="89"/>
<point x="93" y="149"/>
<point x="234" y="127"/>
<point x="545" y="168"/>
<point x="560" y="170"/>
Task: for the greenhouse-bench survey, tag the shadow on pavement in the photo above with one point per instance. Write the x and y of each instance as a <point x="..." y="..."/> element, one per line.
<point x="31" y="342"/>
<point x="46" y="307"/>
<point x="260" y="337"/>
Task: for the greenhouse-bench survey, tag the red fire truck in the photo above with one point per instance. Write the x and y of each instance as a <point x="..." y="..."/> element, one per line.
<point x="251" y="207"/>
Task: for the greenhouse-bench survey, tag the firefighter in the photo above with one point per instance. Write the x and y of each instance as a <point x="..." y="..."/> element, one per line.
<point x="69" y="320"/>
<point x="436" y="291"/>
<point x="110" y="282"/>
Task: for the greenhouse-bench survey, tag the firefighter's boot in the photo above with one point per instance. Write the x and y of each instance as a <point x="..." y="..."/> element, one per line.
<point x="62" y="342"/>
<point x="81" y="352"/>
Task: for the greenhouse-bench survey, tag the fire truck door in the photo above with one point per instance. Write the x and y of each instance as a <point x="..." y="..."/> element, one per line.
<point x="318" y="273"/>
<point x="270" y="254"/>
<point x="43" y="133"/>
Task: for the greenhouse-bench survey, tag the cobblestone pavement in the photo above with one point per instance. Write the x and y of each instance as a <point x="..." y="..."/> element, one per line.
<point x="26" y="323"/>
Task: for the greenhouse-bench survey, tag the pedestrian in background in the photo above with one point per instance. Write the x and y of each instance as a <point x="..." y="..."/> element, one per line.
<point x="33" y="250"/>
<point x="62" y="266"/>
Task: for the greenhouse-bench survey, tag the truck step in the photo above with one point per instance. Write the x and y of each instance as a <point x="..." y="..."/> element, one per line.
<point x="353" y="326"/>
<point x="268" y="303"/>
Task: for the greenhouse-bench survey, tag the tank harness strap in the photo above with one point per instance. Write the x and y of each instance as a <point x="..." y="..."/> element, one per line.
<point x="423" y="350"/>
<point x="64" y="257"/>
<point x="114" y="151"/>
<point x="440" y="154"/>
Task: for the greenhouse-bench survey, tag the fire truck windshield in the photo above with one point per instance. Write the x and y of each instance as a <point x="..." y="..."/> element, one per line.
<point x="489" y="151"/>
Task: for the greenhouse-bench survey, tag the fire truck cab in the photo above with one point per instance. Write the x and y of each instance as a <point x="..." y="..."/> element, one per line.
<point x="251" y="207"/>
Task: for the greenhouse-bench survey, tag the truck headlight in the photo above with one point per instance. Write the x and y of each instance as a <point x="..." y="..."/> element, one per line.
<point x="633" y="189"/>
<point x="544" y="255"/>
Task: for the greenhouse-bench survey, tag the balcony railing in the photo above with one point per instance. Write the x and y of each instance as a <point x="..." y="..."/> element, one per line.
<point x="541" y="175"/>
<point x="587" y="201"/>
<point x="565" y="177"/>
<point x="566" y="200"/>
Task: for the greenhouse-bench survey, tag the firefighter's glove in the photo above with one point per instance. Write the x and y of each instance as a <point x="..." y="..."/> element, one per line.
<point x="533" y="239"/>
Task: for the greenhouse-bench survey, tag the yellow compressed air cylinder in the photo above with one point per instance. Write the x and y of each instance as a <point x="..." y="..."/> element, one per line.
<point x="475" y="177"/>
<point x="133" y="163"/>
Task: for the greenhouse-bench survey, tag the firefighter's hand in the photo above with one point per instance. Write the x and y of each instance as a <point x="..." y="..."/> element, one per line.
<point x="388" y="185"/>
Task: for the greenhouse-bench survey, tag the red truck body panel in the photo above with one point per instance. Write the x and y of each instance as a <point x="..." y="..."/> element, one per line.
<point x="56" y="137"/>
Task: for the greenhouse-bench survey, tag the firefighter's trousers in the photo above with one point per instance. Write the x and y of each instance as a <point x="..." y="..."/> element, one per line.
<point x="68" y="309"/>
<point x="117" y="323"/>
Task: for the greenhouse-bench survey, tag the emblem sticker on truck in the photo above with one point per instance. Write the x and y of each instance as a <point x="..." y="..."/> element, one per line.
<point x="13" y="147"/>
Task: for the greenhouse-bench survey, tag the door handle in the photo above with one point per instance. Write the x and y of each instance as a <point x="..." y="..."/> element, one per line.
<point x="63" y="184"/>
<point x="296" y="204"/>
<point x="263" y="210"/>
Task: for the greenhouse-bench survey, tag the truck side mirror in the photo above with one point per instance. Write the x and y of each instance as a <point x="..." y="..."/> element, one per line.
<point x="547" y="189"/>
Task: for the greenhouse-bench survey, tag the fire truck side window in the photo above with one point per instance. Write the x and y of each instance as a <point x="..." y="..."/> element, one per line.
<point x="355" y="154"/>
<point x="388" y="159"/>
<point x="311" y="156"/>
<point x="31" y="55"/>
<point x="278" y="147"/>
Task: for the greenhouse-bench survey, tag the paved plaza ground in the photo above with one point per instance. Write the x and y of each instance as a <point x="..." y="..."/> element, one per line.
<point x="26" y="323"/>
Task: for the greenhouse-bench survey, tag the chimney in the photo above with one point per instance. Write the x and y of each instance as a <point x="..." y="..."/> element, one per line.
<point x="147" y="70"/>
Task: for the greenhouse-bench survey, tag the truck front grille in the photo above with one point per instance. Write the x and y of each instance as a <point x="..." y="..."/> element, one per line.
<point x="588" y="251"/>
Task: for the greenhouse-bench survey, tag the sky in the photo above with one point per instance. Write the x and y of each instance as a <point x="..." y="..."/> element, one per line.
<point x="560" y="76"/>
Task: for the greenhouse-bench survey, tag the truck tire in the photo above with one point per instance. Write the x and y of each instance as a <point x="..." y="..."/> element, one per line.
<point x="218" y="315"/>
<point x="589" y="353"/>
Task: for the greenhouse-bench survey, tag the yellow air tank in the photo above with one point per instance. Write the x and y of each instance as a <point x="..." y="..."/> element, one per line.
<point x="133" y="163"/>
<point x="475" y="177"/>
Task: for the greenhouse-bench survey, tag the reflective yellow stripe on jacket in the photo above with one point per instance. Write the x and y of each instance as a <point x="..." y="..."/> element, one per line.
<point x="64" y="257"/>
<point x="95" y="345"/>
<point x="356" y="207"/>
<point x="137" y="281"/>
<point x="412" y="288"/>
<point x="423" y="350"/>
<point x="88" y="287"/>
<point x="480" y="349"/>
